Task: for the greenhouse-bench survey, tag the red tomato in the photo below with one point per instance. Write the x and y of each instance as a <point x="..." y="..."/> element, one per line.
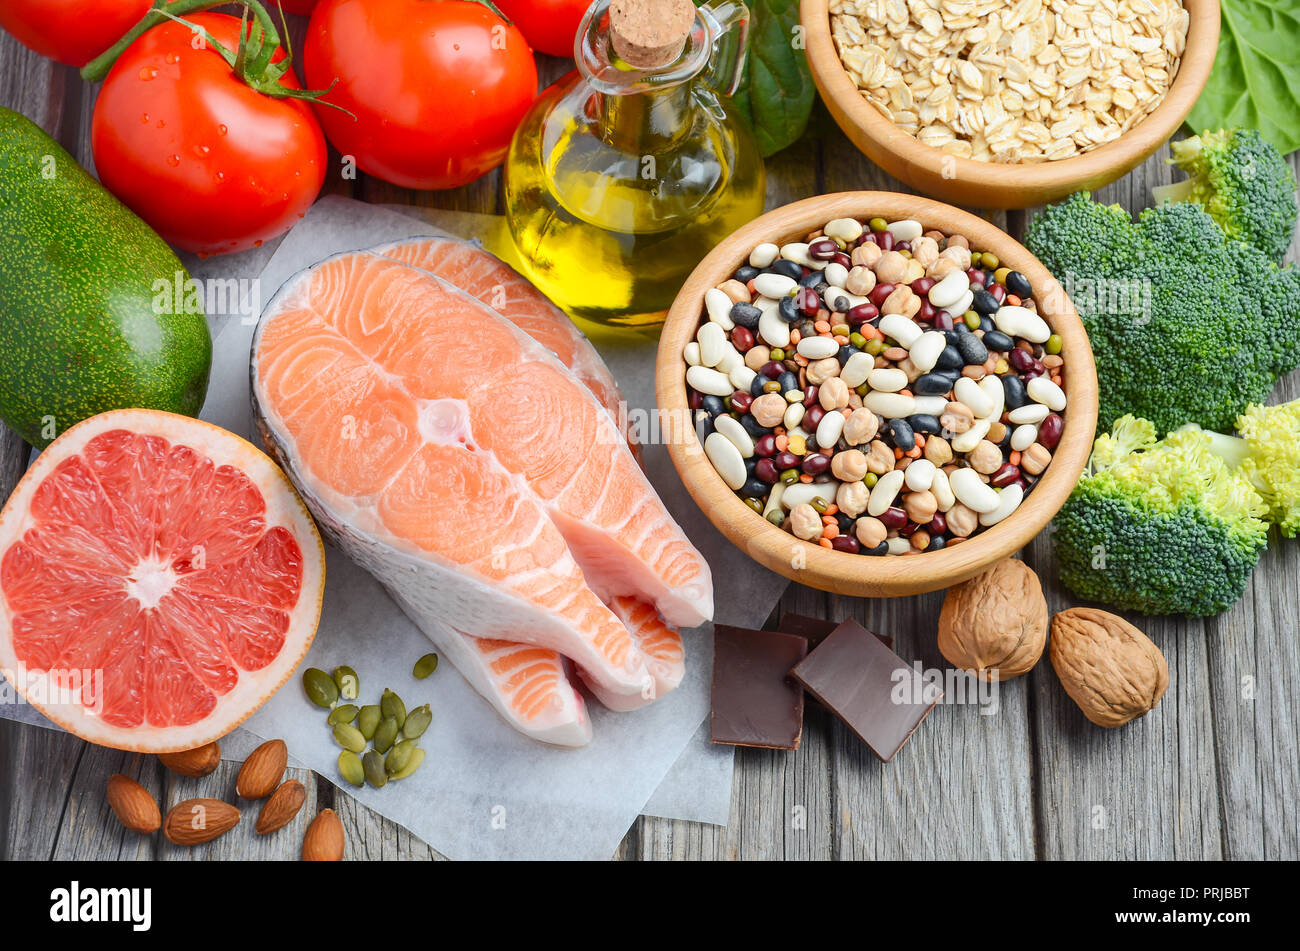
<point x="71" y="31"/>
<point x="550" y="26"/>
<point x="436" y="88"/>
<point x="211" y="164"/>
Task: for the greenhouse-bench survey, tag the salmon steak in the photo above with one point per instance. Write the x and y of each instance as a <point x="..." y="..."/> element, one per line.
<point x="473" y="474"/>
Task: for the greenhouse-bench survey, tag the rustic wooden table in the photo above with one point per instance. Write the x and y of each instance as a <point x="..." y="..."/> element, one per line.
<point x="1213" y="773"/>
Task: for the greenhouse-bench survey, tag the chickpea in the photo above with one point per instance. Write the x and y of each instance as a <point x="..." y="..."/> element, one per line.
<point x="819" y="371"/>
<point x="861" y="280"/>
<point x="880" y="458"/>
<point x="937" y="450"/>
<point x="911" y="369"/>
<point x="890" y="268"/>
<point x="925" y="251"/>
<point x="985" y="458"/>
<point x="769" y="409"/>
<point x="915" y="271"/>
<point x="861" y="427"/>
<point x="851" y="497"/>
<point x="941" y="268"/>
<point x="833" y="394"/>
<point x="866" y="255"/>
<point x="920" y="506"/>
<point x="757" y="356"/>
<point x="1035" y="459"/>
<point x="957" y="241"/>
<point x="959" y="255"/>
<point x="870" y="531"/>
<point x="849" y="466"/>
<point x="957" y="417"/>
<point x="997" y="432"/>
<point x="962" y="521"/>
<point x="737" y="291"/>
<point x="898" y="300"/>
<point x="804" y="522"/>
<point x="920" y="540"/>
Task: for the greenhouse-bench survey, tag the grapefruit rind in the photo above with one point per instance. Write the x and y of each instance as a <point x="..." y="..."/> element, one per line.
<point x="283" y="508"/>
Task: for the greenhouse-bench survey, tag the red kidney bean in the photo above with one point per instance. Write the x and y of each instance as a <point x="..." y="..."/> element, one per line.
<point x="872" y="237"/>
<point x="1049" y="432"/>
<point x="903" y="246"/>
<point x="862" y="313"/>
<point x="999" y="293"/>
<point x="823" y="249"/>
<point x="975" y="276"/>
<point x="813" y="417"/>
<point x="845" y="543"/>
<point x="885" y="240"/>
<point x="943" y="321"/>
<point x="772" y="369"/>
<point x="938" y="524"/>
<point x="880" y="292"/>
<point x="910" y="529"/>
<point x="1005" y="475"/>
<point x="765" y="446"/>
<point x="893" y="517"/>
<point x="695" y="399"/>
<point x="809" y="396"/>
<point x="1036" y="369"/>
<point x="927" y="311"/>
<point x="741" y="401"/>
<point x="742" y="339"/>
<point x="1021" y="361"/>
<point x="786" y="460"/>
<point x="843" y="260"/>
<point x="815" y="464"/>
<point x="766" y="470"/>
<point x="808" y="302"/>
<point x="922" y="285"/>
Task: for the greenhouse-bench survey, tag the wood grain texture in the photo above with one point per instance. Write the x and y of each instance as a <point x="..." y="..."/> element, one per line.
<point x="1213" y="772"/>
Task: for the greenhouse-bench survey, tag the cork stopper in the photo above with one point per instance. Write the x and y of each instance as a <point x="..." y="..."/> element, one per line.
<point x="650" y="33"/>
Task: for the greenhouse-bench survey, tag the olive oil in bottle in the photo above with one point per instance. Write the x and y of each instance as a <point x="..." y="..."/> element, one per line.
<point x="629" y="170"/>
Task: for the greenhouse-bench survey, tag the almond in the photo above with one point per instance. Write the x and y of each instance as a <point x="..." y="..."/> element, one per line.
<point x="263" y="770"/>
<point x="195" y="763"/>
<point x="281" y="807"/>
<point x="133" y="805"/>
<point x="196" y="821"/>
<point x="324" y="839"/>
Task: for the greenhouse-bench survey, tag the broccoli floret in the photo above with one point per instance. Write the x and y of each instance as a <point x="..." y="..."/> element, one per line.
<point x="1159" y="527"/>
<point x="1186" y="324"/>
<point x="1243" y="182"/>
<point x="1272" y="463"/>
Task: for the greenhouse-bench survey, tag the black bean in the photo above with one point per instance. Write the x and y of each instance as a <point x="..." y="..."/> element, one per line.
<point x="844" y="353"/>
<point x="952" y="359"/>
<point x="973" y="350"/>
<point x="983" y="302"/>
<point x="936" y="543"/>
<point x="788" y="381"/>
<point x="961" y="328"/>
<point x="751" y="465"/>
<point x="952" y="336"/>
<point x="745" y="315"/>
<point x="845" y="523"/>
<point x="1013" y="389"/>
<point x="881" y="549"/>
<point x="703" y="424"/>
<point x="787" y="268"/>
<point x="900" y="431"/>
<point x="746" y="274"/>
<point x="756" y="388"/>
<point x="755" y="489"/>
<point x="925" y="423"/>
<point x="986" y="323"/>
<point x="1018" y="284"/>
<point x="998" y="341"/>
<point x="752" y="426"/>
<point x="713" y="405"/>
<point x="842" y="304"/>
<point x="812" y="279"/>
<point x="788" y="309"/>
<point x="932" y="384"/>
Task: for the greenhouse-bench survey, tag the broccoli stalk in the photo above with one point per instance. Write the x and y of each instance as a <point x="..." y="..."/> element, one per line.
<point x="1160" y="526"/>
<point x="1242" y="181"/>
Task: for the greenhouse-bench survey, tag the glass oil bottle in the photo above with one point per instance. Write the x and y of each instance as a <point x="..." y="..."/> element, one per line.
<point x="622" y="177"/>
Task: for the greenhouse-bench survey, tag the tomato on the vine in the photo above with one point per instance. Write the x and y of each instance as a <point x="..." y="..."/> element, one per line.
<point x="211" y="164"/>
<point x="550" y="26"/>
<point x="71" y="31"/>
<point x="435" y="89"/>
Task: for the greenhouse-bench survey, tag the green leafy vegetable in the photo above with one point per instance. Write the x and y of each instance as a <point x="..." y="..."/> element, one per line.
<point x="1256" y="78"/>
<point x="776" y="92"/>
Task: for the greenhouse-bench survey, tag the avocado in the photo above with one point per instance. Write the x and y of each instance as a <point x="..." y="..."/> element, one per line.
<point x="88" y="322"/>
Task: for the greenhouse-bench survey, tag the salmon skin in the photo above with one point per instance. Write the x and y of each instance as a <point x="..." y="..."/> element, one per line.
<point x="460" y="462"/>
<point x="493" y="282"/>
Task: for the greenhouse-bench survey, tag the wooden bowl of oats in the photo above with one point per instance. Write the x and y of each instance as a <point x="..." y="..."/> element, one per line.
<point x="1009" y="103"/>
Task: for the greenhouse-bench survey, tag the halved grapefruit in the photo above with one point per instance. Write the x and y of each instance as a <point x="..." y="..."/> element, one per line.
<point x="159" y="580"/>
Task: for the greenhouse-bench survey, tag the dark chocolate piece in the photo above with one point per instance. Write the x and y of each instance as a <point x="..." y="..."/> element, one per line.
<point x="874" y="691"/>
<point x="755" y="703"/>
<point x="817" y="629"/>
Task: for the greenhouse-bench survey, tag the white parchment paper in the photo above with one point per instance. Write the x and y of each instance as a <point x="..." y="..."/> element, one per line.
<point x="486" y="792"/>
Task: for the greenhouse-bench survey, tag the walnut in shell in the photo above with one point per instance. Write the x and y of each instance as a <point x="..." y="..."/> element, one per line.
<point x="1108" y="667"/>
<point x="995" y="622"/>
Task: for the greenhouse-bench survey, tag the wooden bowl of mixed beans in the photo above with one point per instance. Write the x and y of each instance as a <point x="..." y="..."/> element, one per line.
<point x="876" y="394"/>
<point x="1015" y="120"/>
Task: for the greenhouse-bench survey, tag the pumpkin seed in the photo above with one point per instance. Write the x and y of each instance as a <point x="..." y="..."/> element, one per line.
<point x="417" y="721"/>
<point x="385" y="734"/>
<point x="351" y="769"/>
<point x="344" y="713"/>
<point x="349" y="683"/>
<point x="425" y="666"/>
<point x="320" y="686"/>
<point x="398" y="757"/>
<point x="392" y="706"/>
<point x="349" y="737"/>
<point x="368" y="719"/>
<point x="417" y="758"/>
<point x="373" y="764"/>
